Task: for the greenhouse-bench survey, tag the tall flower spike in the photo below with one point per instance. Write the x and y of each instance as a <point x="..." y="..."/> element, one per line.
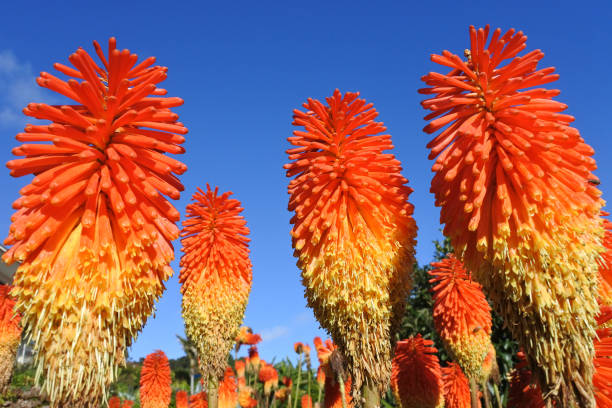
<point x="246" y="336"/>
<point x="456" y="387"/>
<point x="215" y="276"/>
<point x="269" y="377"/>
<point x="199" y="400"/>
<point x="181" y="399"/>
<point x="416" y="379"/>
<point x="513" y="179"/>
<point x="462" y="315"/>
<point x="93" y="229"/>
<point x="353" y="231"/>
<point x="10" y="337"/>
<point x="155" y="381"/>
<point x="605" y="264"/>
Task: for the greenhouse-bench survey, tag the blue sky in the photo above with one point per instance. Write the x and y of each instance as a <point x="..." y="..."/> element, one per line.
<point x="242" y="67"/>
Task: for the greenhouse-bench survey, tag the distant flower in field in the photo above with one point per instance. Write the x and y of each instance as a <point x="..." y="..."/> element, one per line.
<point x="306" y="401"/>
<point x="462" y="315"/>
<point x="320" y="376"/>
<point x="605" y="265"/>
<point x="282" y="394"/>
<point x="228" y="393"/>
<point x="155" y="381"/>
<point x="181" y="399"/>
<point x="324" y="349"/>
<point x="241" y="382"/>
<point x="416" y="378"/>
<point x="489" y="365"/>
<point x="246" y="336"/>
<point x="114" y="402"/>
<point x="269" y="376"/>
<point x="199" y="400"/>
<point x="129" y="404"/>
<point x="254" y="358"/>
<point x="456" y="388"/>
<point x="298" y="347"/>
<point x="333" y="397"/>
<point x="245" y="398"/>
<point x="240" y="367"/>
<point x="353" y="231"/>
<point x="215" y="275"/>
<point x="287" y="381"/>
<point x="10" y="336"/>
<point x="514" y="181"/>
<point x="93" y="229"/>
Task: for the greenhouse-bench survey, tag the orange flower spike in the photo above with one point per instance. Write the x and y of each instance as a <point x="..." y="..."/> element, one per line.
<point x="320" y="376"/>
<point x="513" y="180"/>
<point x="240" y="368"/>
<point x="155" y="381"/>
<point x="245" y="399"/>
<point x="353" y="231"/>
<point x="306" y="401"/>
<point x="93" y="229"/>
<point x="182" y="399"/>
<point x="333" y="397"/>
<point x="228" y="390"/>
<point x="246" y="336"/>
<point x="10" y="337"/>
<point x="269" y="376"/>
<point x="456" y="387"/>
<point x="254" y="358"/>
<point x="114" y="402"/>
<point x="199" y="400"/>
<point x="215" y="276"/>
<point x="605" y="264"/>
<point x="416" y="377"/>
<point x="462" y="315"/>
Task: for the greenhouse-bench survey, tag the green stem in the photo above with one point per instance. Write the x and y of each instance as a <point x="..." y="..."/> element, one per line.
<point x="485" y="393"/>
<point x="297" y="382"/>
<point x="369" y="393"/>
<point x="319" y="397"/>
<point x="213" y="392"/>
<point x="497" y="396"/>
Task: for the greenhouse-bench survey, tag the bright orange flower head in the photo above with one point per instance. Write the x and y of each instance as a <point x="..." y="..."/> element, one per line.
<point x="298" y="347"/>
<point x="320" y="376"/>
<point x="181" y="399"/>
<point x="456" y="387"/>
<point x="199" y="400"/>
<point x="10" y="336"/>
<point x="269" y="376"/>
<point x="306" y="401"/>
<point x="462" y="315"/>
<point x="240" y="367"/>
<point x="228" y="390"/>
<point x="93" y="229"/>
<point x="155" y="381"/>
<point x="114" y="402"/>
<point x="353" y="230"/>
<point x="416" y="377"/>
<point x="253" y="357"/>
<point x="282" y="394"/>
<point x="333" y="397"/>
<point x="215" y="274"/>
<point x="245" y="399"/>
<point x="287" y="381"/>
<point x="605" y="264"/>
<point x="246" y="336"/>
<point x="128" y="404"/>
<point x="513" y="179"/>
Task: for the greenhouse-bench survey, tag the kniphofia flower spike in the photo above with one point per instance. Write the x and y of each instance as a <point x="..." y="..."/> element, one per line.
<point x="456" y="388"/>
<point x="513" y="179"/>
<point x="155" y="381"/>
<point x="215" y="276"/>
<point x="462" y="315"/>
<point x="93" y="229"/>
<point x="416" y="379"/>
<point x="353" y="231"/>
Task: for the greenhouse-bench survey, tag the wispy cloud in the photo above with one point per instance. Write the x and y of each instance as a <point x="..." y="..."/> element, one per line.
<point x="18" y="87"/>
<point x="274" y="333"/>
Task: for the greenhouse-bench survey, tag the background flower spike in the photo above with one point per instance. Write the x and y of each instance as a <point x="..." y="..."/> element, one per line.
<point x="93" y="229"/>
<point x="216" y="278"/>
<point x="155" y="381"/>
<point x="353" y="231"/>
<point x="513" y="180"/>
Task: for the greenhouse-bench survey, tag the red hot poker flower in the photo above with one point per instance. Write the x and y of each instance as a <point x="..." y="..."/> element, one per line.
<point x="513" y="179"/>
<point x="93" y="229"/>
<point x="228" y="390"/>
<point x="182" y="399"/>
<point x="353" y="231"/>
<point x="215" y="274"/>
<point x="416" y="377"/>
<point x="462" y="315"/>
<point x="456" y="387"/>
<point x="155" y="381"/>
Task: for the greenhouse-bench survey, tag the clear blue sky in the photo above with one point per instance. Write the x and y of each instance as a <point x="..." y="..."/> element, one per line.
<point x="243" y="66"/>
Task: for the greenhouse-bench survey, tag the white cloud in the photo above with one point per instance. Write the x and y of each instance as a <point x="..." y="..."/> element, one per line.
<point x="274" y="333"/>
<point x="18" y="87"/>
